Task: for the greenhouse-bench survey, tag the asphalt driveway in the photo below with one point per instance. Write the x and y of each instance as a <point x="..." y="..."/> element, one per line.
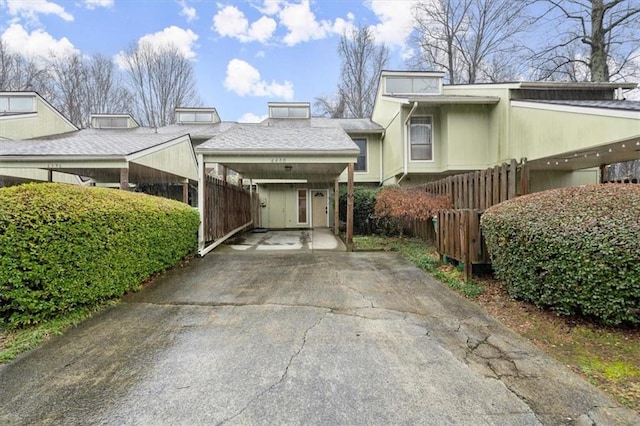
<point x="296" y="338"/>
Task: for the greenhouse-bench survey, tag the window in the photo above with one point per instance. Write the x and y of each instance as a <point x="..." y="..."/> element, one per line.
<point x="289" y="111"/>
<point x="421" y="138"/>
<point x="17" y="104"/>
<point x="195" y="117"/>
<point x="361" y="164"/>
<point x="302" y="206"/>
<point x="412" y="85"/>
<point x="110" y="122"/>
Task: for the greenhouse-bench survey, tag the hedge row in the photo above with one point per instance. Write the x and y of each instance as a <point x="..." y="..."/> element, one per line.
<point x="575" y="250"/>
<point x="63" y="247"/>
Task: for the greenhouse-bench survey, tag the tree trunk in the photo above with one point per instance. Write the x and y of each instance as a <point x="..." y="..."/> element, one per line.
<point x="598" y="65"/>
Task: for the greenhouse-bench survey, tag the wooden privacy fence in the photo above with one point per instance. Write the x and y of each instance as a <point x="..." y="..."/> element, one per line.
<point x="227" y="207"/>
<point x="458" y="234"/>
<point x="483" y="188"/>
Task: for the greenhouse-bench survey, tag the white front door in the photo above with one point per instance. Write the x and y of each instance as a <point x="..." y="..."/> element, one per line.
<point x="320" y="208"/>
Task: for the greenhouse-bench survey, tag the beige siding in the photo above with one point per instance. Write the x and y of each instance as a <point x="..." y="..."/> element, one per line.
<point x="468" y="135"/>
<point x="177" y="159"/>
<point x="542" y="180"/>
<point x="280" y="203"/>
<point x="387" y="115"/>
<point x="44" y="122"/>
<point x="538" y="133"/>
<point x="374" y="163"/>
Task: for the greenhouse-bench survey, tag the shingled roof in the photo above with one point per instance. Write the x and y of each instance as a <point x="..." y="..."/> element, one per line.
<point x="266" y="138"/>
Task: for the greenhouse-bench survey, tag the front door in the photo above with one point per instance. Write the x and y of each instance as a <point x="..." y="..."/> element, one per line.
<point x="320" y="208"/>
<point x="277" y="207"/>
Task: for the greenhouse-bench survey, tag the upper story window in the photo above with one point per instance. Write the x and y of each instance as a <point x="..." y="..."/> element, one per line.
<point x="112" y="121"/>
<point x="289" y="110"/>
<point x="413" y="85"/>
<point x="197" y="115"/>
<point x="421" y="138"/>
<point x="361" y="163"/>
<point x="17" y="104"/>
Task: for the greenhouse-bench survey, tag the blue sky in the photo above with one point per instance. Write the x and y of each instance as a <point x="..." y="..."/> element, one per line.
<point x="245" y="53"/>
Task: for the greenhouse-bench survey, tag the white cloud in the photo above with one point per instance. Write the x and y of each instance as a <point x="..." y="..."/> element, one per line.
<point x="271" y="7"/>
<point x="250" y="117"/>
<point x="261" y="54"/>
<point x="303" y="26"/>
<point x="396" y="22"/>
<point x="183" y="40"/>
<point x="231" y="22"/>
<point x="36" y="45"/>
<point x="187" y="11"/>
<point x="92" y="4"/>
<point x="31" y="9"/>
<point x="245" y="80"/>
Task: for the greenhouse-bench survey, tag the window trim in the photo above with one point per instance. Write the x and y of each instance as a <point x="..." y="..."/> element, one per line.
<point x="433" y="153"/>
<point x="9" y="97"/>
<point x="306" y="202"/>
<point x="366" y="157"/>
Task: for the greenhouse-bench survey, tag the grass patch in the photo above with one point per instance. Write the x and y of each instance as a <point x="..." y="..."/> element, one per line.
<point x="607" y="357"/>
<point x="424" y="256"/>
<point x="16" y="341"/>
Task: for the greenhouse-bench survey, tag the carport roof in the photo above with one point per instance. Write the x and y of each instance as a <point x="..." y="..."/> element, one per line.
<point x="150" y="155"/>
<point x="266" y="138"/>
<point x="88" y="143"/>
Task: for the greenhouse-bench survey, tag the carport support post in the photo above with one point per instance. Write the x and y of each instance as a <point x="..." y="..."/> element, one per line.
<point x="336" y="207"/>
<point x="349" y="241"/>
<point x="124" y="178"/>
<point x="185" y="191"/>
<point x="603" y="173"/>
<point x="201" y="191"/>
<point x="49" y="175"/>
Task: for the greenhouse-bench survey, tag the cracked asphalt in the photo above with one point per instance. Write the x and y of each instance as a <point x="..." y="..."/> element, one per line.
<point x="297" y="338"/>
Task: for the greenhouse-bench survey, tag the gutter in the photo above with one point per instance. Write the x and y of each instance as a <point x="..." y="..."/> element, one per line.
<point x="406" y="143"/>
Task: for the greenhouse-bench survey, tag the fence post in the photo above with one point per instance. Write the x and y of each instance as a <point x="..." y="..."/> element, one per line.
<point x="524" y="177"/>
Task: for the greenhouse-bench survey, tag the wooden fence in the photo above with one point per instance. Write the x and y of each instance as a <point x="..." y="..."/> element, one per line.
<point x="458" y="234"/>
<point x="227" y="207"/>
<point x="484" y="188"/>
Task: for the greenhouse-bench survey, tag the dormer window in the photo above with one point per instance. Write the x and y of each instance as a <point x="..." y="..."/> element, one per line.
<point x="112" y="121"/>
<point x="413" y="84"/>
<point x="197" y="116"/>
<point x="15" y="104"/>
<point x="289" y="110"/>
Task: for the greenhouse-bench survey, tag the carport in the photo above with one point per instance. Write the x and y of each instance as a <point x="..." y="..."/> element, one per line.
<point x="284" y="154"/>
<point x="108" y="157"/>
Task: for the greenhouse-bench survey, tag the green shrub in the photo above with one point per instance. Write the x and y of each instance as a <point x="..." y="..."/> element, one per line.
<point x="575" y="250"/>
<point x="364" y="198"/>
<point x="64" y="247"/>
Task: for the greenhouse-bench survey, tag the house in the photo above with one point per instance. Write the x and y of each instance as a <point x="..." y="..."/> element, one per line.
<point x="420" y="130"/>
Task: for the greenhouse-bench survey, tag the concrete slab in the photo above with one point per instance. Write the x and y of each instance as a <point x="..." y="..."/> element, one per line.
<point x="297" y="338"/>
<point x="321" y="239"/>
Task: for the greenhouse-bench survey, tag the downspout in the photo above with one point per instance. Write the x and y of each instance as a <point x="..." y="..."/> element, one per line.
<point x="406" y="143"/>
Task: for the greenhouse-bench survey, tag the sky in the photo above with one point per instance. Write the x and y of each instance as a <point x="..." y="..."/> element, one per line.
<point x="244" y="53"/>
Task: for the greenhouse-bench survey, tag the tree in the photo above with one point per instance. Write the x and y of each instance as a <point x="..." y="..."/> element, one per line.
<point x="362" y="60"/>
<point x="18" y="73"/>
<point x="106" y="92"/>
<point x="160" y="79"/>
<point x="601" y="35"/>
<point x="86" y="85"/>
<point x="467" y="38"/>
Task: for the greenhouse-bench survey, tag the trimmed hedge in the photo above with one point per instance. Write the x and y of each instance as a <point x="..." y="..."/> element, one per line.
<point x="63" y="247"/>
<point x="575" y="250"/>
